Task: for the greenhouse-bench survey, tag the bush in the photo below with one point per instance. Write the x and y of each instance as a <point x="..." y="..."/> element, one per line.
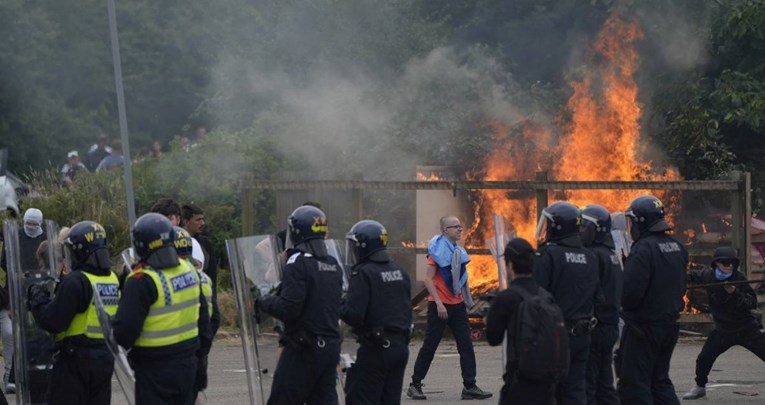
<point x="207" y="174"/>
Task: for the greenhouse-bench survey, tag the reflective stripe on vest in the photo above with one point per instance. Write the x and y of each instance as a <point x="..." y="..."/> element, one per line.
<point x="87" y="323"/>
<point x="207" y="290"/>
<point x="173" y="317"/>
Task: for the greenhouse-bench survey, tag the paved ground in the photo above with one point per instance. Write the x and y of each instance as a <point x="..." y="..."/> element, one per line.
<point x="736" y="375"/>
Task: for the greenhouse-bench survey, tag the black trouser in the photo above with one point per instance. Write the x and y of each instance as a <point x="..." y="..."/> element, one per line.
<point x="600" y="372"/>
<point x="457" y="321"/>
<point x="306" y="375"/>
<point x="168" y="382"/>
<point x="645" y="352"/>
<point x="82" y="376"/>
<point x="572" y="391"/>
<point x="378" y="373"/>
<point x="719" y="341"/>
<point x="525" y="392"/>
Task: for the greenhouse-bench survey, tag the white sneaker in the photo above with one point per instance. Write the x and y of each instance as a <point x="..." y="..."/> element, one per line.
<point x="10" y="388"/>
<point x="695" y="393"/>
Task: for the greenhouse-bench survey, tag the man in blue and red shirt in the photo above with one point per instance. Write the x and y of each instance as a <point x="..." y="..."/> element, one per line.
<point x="446" y="281"/>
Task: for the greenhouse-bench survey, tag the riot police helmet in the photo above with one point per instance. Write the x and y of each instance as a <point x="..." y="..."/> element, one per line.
<point x="367" y="240"/>
<point x="182" y="242"/>
<point x="596" y="224"/>
<point x="306" y="230"/>
<point x="646" y="214"/>
<point x="154" y="241"/>
<point x="87" y="246"/>
<point x="558" y="221"/>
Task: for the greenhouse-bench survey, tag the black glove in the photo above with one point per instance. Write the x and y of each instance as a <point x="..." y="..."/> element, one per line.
<point x="37" y="295"/>
<point x="200" y="381"/>
<point x="256" y="310"/>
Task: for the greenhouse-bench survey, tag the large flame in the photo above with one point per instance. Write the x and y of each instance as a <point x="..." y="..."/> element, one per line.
<point x="602" y="142"/>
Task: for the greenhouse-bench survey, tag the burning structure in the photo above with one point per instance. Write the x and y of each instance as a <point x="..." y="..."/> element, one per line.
<point x="597" y="157"/>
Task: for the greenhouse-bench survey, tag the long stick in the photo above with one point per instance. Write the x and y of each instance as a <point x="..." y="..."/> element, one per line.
<point x="724" y="283"/>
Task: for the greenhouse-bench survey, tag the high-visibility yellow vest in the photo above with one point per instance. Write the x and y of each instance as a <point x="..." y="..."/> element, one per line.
<point x="207" y="289"/>
<point x="173" y="317"/>
<point x="87" y="323"/>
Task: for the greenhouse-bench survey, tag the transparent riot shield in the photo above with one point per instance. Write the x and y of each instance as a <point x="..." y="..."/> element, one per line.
<point x="122" y="369"/>
<point x="336" y="249"/>
<point x="255" y="270"/>
<point x="622" y="238"/>
<point x="33" y="347"/>
<point x="502" y="235"/>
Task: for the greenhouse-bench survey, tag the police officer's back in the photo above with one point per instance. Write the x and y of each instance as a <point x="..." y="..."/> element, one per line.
<point x="596" y="236"/>
<point x="379" y="309"/>
<point x="83" y="365"/>
<point x="163" y="317"/>
<point x="654" y="285"/>
<point x="569" y="272"/>
<point x="309" y="305"/>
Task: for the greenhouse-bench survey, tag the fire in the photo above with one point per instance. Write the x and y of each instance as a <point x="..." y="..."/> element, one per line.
<point x="602" y="142"/>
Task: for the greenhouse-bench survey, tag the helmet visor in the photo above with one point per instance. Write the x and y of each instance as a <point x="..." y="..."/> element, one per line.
<point x="543" y="227"/>
<point x="351" y="252"/>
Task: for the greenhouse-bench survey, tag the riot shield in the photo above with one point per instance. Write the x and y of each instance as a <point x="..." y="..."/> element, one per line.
<point x="336" y="249"/>
<point x="502" y="235"/>
<point x="33" y="347"/>
<point x="255" y="270"/>
<point x="622" y="238"/>
<point x="122" y="369"/>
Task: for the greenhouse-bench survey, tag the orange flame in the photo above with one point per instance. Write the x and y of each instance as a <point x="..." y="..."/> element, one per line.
<point x="601" y="143"/>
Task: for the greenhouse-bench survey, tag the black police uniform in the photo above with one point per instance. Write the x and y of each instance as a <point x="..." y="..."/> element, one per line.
<point x="734" y="322"/>
<point x="309" y="305"/>
<point x="378" y="307"/>
<point x="82" y="369"/>
<point x="168" y="372"/>
<point x="503" y="317"/>
<point x="570" y="273"/>
<point x="654" y="285"/>
<point x="600" y="373"/>
<point x="211" y="270"/>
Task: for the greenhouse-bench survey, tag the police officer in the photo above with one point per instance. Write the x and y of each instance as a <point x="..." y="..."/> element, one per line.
<point x="378" y="308"/>
<point x="309" y="305"/>
<point x="596" y="236"/>
<point x="163" y="317"/>
<point x="83" y="365"/>
<point x="186" y="247"/>
<point x="654" y="285"/>
<point x="569" y="272"/>
<point x="731" y="306"/>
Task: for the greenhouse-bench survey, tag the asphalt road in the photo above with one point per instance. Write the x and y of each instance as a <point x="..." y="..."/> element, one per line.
<point x="738" y="376"/>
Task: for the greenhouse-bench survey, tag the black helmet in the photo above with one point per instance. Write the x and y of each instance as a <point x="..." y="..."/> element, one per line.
<point x="364" y="239"/>
<point x="646" y="214"/>
<point x="596" y="224"/>
<point x="306" y="223"/>
<point x="182" y="242"/>
<point x="153" y="238"/>
<point x="726" y="254"/>
<point x="87" y="245"/>
<point x="559" y="220"/>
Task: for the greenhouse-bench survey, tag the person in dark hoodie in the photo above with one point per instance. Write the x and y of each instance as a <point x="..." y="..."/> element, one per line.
<point x="596" y="236"/>
<point x="163" y="317"/>
<point x="83" y="364"/>
<point x="731" y="306"/>
<point x="503" y="318"/>
<point x="570" y="273"/>
<point x="378" y="308"/>
<point x="652" y="297"/>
